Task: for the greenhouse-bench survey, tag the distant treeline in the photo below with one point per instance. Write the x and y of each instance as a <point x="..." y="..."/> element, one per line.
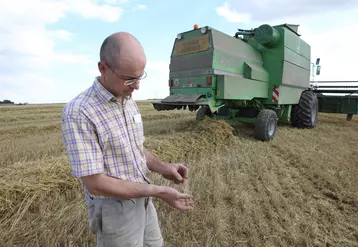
<point x="9" y="102"/>
<point x="6" y="101"/>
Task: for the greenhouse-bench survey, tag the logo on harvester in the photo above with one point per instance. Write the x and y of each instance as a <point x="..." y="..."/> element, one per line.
<point x="275" y="94"/>
<point x="176" y="82"/>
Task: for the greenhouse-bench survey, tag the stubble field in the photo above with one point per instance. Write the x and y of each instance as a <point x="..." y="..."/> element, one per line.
<point x="298" y="190"/>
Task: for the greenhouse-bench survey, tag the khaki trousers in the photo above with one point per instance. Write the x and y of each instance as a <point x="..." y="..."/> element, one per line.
<point x="124" y="222"/>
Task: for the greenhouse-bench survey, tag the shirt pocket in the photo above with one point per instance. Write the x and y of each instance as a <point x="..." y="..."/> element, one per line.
<point x="137" y="130"/>
<point x="114" y="138"/>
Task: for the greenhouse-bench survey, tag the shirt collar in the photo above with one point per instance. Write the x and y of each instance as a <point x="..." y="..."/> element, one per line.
<point x="104" y="94"/>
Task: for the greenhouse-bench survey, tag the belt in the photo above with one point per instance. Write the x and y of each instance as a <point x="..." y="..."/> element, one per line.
<point x="92" y="200"/>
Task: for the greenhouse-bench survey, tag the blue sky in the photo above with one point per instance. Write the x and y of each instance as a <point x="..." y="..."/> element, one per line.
<point x="49" y="49"/>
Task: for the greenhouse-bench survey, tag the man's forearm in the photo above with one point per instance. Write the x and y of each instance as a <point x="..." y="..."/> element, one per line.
<point x="153" y="163"/>
<point x="108" y="186"/>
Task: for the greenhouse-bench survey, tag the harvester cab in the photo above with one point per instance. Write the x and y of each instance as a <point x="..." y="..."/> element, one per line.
<point x="259" y="76"/>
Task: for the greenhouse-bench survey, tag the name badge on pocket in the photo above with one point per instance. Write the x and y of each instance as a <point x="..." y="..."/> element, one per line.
<point x="137" y="118"/>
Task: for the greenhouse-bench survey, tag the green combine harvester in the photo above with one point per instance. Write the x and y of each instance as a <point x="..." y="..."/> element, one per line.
<point x="259" y="76"/>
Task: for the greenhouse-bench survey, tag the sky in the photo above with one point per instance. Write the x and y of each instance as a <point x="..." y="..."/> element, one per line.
<point x="49" y="49"/>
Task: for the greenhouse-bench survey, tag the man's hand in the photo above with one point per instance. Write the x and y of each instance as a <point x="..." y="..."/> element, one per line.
<point x="176" y="172"/>
<point x="176" y="199"/>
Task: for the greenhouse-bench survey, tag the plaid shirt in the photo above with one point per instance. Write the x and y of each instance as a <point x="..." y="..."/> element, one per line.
<point x="102" y="136"/>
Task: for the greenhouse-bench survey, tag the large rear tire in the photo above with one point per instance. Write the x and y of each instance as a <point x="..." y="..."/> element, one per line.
<point x="266" y="125"/>
<point x="304" y="115"/>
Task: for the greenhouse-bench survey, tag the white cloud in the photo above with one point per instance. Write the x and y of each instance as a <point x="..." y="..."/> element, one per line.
<point x="28" y="45"/>
<point x="23" y="26"/>
<point x="41" y="88"/>
<point x="158" y="66"/>
<point x="141" y="6"/>
<point x="326" y="26"/>
<point x="61" y="34"/>
<point x="263" y="10"/>
<point x="93" y="72"/>
<point x="337" y="57"/>
<point x="29" y="13"/>
<point x="232" y="15"/>
<point x="156" y="83"/>
<point x="70" y="58"/>
<point x="117" y="1"/>
<point x="89" y="9"/>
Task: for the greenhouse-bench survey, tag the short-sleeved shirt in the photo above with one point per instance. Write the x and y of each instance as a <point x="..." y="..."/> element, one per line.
<point x="103" y="136"/>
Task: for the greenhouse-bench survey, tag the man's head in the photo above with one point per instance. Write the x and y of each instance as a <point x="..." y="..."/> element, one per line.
<point x="122" y="60"/>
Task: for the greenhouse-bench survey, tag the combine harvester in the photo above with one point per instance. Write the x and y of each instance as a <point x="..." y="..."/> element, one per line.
<point x="259" y="76"/>
<point x="337" y="97"/>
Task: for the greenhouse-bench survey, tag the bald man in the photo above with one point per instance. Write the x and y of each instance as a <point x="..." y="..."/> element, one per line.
<point x="103" y="134"/>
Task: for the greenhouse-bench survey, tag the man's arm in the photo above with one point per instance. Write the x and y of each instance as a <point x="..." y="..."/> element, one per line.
<point x="176" y="172"/>
<point x="100" y="184"/>
<point x="154" y="164"/>
<point x="105" y="185"/>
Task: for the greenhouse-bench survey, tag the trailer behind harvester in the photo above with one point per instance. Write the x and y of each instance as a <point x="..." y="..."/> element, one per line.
<point x="337" y="97"/>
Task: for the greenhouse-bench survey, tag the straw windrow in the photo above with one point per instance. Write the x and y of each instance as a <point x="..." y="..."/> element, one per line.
<point x="298" y="190"/>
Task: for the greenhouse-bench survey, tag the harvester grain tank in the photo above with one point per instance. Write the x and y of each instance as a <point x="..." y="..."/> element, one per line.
<point x="260" y="76"/>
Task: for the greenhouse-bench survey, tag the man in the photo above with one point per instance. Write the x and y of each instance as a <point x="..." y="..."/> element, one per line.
<point x="103" y="136"/>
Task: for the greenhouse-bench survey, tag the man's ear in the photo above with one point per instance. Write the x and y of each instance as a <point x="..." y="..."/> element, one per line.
<point x="101" y="68"/>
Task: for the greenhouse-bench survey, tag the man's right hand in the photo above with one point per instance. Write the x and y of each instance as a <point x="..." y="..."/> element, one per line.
<point x="101" y="184"/>
<point x="176" y="199"/>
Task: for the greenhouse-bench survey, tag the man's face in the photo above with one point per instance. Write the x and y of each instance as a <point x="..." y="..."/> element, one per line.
<point x="122" y="82"/>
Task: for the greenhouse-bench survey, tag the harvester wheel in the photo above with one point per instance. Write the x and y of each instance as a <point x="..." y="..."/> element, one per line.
<point x="202" y="112"/>
<point x="266" y="125"/>
<point x="304" y="115"/>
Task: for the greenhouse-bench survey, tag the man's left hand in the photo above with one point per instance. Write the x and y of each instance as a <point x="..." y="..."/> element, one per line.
<point x="176" y="172"/>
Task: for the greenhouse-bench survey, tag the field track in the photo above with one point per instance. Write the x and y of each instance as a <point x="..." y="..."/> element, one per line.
<point x="298" y="190"/>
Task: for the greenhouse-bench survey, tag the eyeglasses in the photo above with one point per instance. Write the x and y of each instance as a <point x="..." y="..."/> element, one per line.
<point x="130" y="81"/>
<point x="133" y="81"/>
